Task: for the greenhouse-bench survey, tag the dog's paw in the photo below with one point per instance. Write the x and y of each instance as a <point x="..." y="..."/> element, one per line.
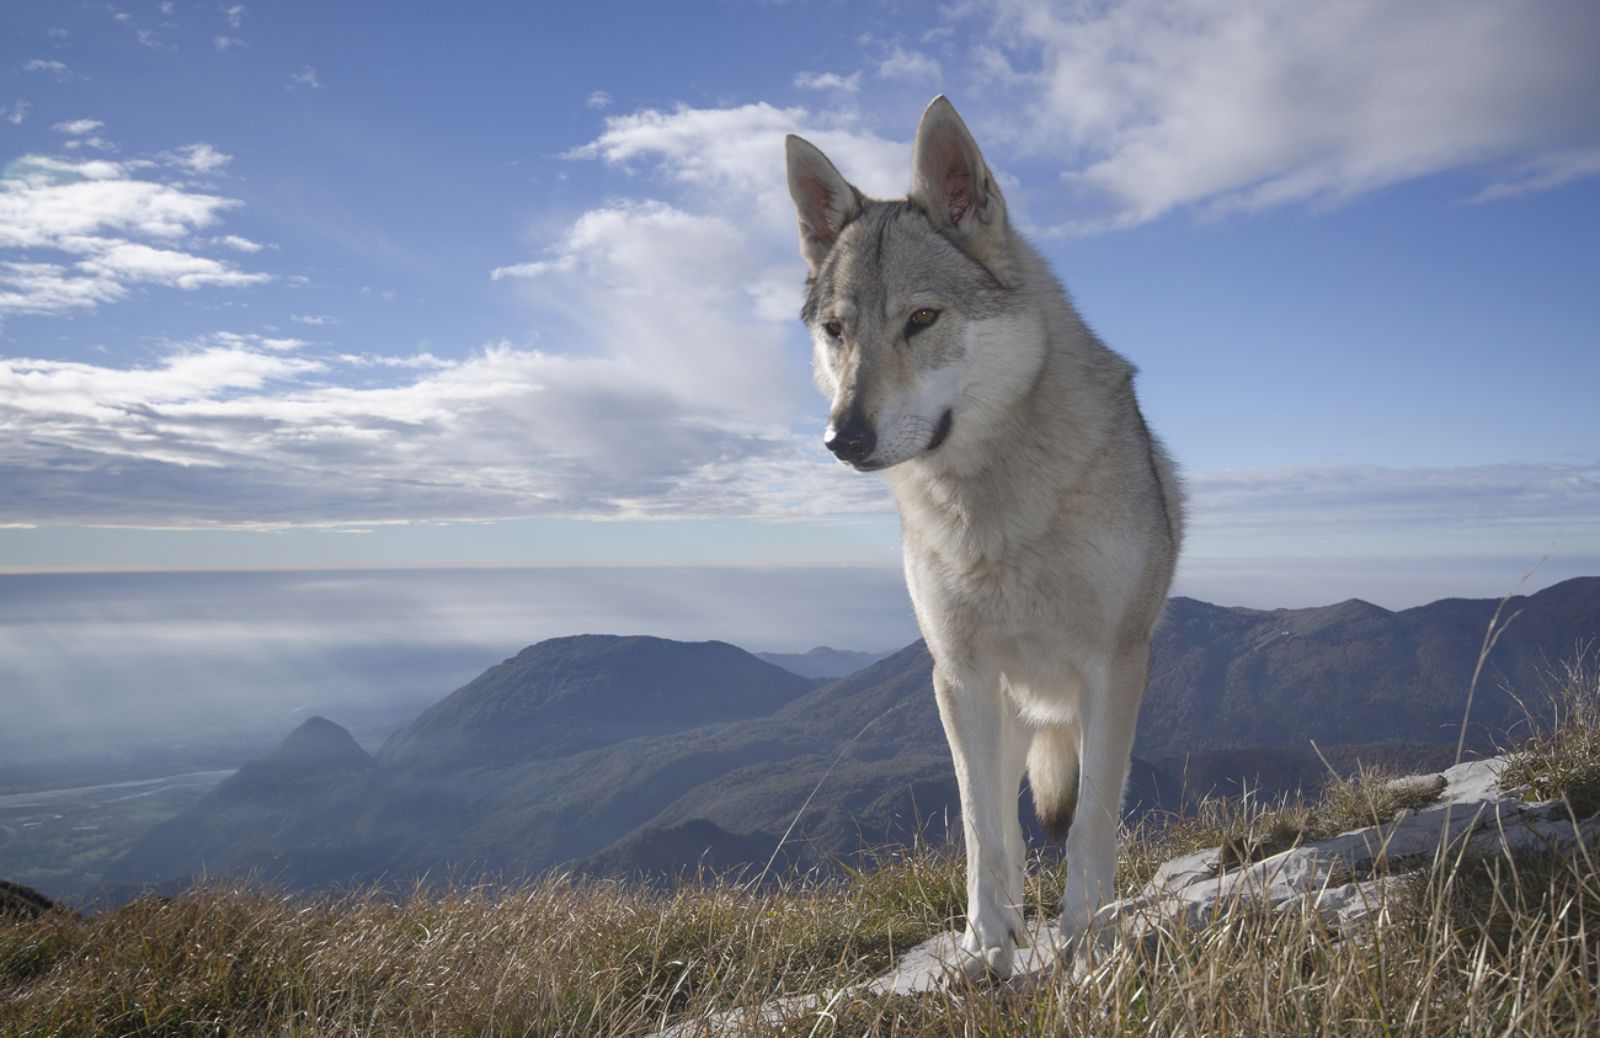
<point x="981" y="964"/>
<point x="1080" y="949"/>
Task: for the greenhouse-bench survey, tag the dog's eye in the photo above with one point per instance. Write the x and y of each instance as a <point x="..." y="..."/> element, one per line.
<point x="834" y="329"/>
<point x="921" y="319"/>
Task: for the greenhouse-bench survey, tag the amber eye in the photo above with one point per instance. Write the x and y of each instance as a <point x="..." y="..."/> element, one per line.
<point x="921" y="319"/>
<point x="834" y="329"/>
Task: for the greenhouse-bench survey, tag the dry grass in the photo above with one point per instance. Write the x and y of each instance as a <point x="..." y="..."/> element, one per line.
<point x="1477" y="947"/>
<point x="558" y="956"/>
<point x="1560" y="755"/>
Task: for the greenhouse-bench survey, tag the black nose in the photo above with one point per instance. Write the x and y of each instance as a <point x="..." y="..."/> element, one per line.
<point x="854" y="441"/>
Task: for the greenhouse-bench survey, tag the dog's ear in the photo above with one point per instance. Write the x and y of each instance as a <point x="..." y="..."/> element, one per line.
<point x="949" y="178"/>
<point x="824" y="200"/>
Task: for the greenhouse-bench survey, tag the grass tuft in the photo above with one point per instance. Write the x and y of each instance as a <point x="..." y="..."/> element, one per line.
<point x="1560" y="756"/>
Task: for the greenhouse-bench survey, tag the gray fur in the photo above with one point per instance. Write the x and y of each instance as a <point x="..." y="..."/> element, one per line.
<point x="1040" y="536"/>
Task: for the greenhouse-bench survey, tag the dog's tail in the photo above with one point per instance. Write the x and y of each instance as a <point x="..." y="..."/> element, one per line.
<point x="1053" y="776"/>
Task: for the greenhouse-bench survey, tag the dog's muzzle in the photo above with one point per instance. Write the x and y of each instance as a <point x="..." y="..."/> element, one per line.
<point x="853" y="442"/>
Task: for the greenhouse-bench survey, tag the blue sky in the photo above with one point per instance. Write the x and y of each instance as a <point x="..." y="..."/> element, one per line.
<point x="311" y="284"/>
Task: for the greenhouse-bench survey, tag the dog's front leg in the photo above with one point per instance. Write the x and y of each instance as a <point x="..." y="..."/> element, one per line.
<point x="989" y="745"/>
<point x="1110" y="708"/>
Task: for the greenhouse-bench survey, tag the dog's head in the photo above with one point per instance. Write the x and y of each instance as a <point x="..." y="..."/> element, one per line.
<point x="910" y="302"/>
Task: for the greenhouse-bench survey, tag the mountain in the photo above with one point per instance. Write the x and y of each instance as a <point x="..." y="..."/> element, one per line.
<point x="294" y="816"/>
<point x="1228" y="679"/>
<point x="317" y="747"/>
<point x="567" y="695"/>
<point x="622" y="754"/>
<point x="823" y="662"/>
<point x="667" y="854"/>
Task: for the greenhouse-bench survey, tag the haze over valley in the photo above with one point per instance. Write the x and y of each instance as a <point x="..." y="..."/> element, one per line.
<point x="629" y="753"/>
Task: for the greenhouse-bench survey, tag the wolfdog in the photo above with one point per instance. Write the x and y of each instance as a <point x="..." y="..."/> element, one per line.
<point x="1040" y="518"/>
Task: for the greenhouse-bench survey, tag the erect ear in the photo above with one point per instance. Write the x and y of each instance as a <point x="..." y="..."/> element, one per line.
<point x="824" y="200"/>
<point x="948" y="175"/>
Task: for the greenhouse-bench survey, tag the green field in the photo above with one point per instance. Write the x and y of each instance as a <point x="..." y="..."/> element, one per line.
<point x="59" y="841"/>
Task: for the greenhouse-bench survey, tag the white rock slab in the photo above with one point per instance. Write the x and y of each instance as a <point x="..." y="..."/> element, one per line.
<point x="1346" y="878"/>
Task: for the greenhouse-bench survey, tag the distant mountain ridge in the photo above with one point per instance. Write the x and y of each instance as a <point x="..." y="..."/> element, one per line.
<point x="1225" y="679"/>
<point x="618" y="754"/>
<point x="823" y="662"/>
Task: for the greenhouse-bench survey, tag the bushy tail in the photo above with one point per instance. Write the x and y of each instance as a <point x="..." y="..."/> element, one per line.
<point x="1053" y="776"/>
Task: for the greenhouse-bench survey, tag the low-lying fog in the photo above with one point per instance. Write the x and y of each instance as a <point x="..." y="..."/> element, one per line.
<point x="109" y="676"/>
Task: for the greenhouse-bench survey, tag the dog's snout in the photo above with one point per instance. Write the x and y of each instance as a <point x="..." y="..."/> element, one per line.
<point x="852" y="442"/>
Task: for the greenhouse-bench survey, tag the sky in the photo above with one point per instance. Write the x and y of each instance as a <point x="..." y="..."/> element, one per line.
<point x="314" y="285"/>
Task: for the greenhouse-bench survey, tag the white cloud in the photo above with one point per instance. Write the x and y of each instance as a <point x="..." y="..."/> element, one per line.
<point x="226" y="43"/>
<point x="15" y="112"/>
<point x="316" y="320"/>
<point x="419" y="361"/>
<point x="599" y="99"/>
<point x="78" y="127"/>
<point x="828" y="81"/>
<point x="49" y="288"/>
<point x="1244" y="104"/>
<point x="238" y="244"/>
<point x="199" y="158"/>
<point x="665" y="292"/>
<point x="137" y="262"/>
<point x="54" y="68"/>
<point x="91" y="142"/>
<point x="306" y="77"/>
<point x="231" y="432"/>
<point x="731" y="159"/>
<point x="1545" y="173"/>
<point x="531" y="269"/>
<point x="910" y="65"/>
<point x="113" y="229"/>
<point x="54" y="204"/>
<point x="235" y="16"/>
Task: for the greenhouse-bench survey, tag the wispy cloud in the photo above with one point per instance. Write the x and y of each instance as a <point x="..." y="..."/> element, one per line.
<point x="54" y="68"/>
<point x="224" y="42"/>
<point x="909" y="65"/>
<point x="1544" y="173"/>
<point x="112" y="230"/>
<point x="731" y="158"/>
<point x="828" y="81"/>
<point x="82" y="135"/>
<point x="199" y="158"/>
<point x="78" y="127"/>
<point x="306" y="77"/>
<point x="1226" y="105"/>
<point x="15" y="112"/>
<point x="599" y="99"/>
